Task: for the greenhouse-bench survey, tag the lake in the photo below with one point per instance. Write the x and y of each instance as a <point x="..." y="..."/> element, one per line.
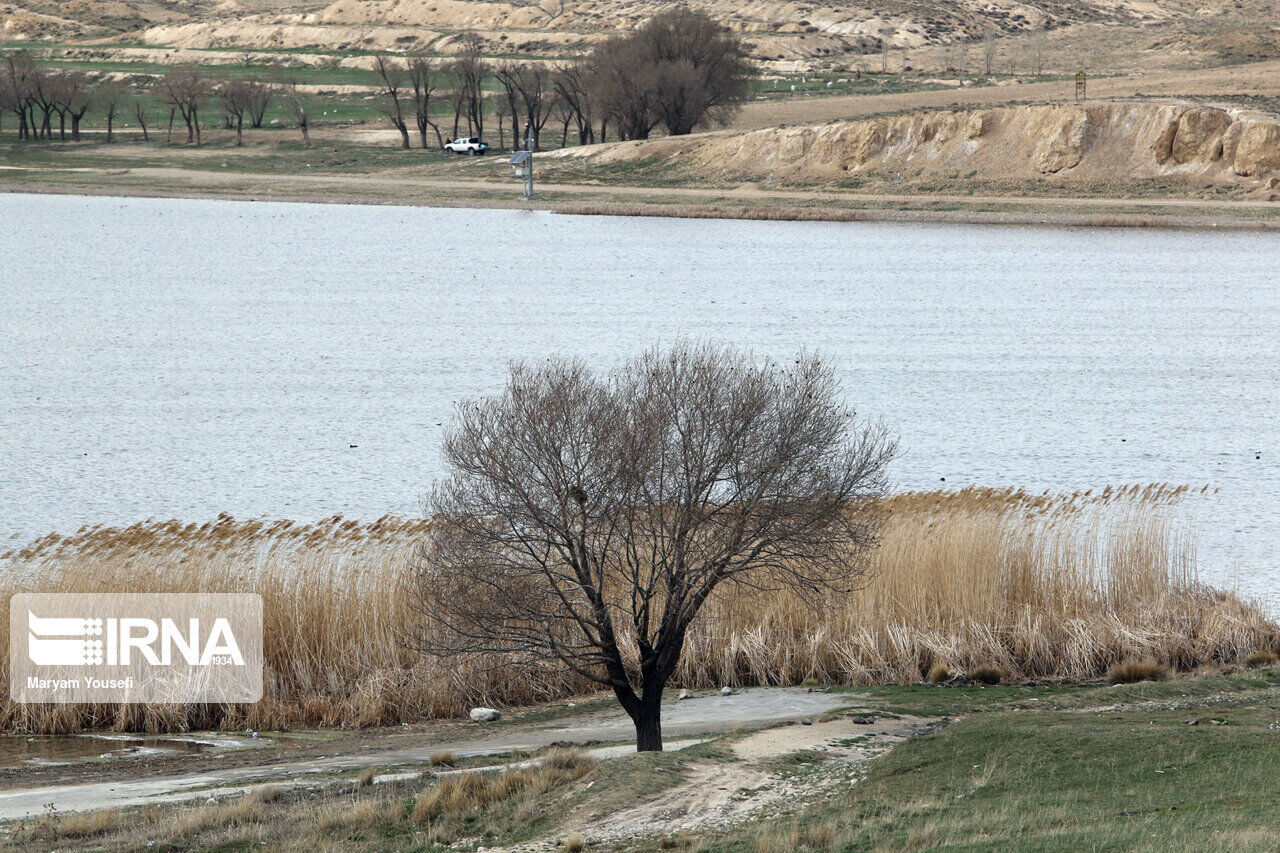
<point x="179" y="358"/>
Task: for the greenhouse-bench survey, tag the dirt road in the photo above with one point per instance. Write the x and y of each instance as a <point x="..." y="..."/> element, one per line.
<point x="682" y="719"/>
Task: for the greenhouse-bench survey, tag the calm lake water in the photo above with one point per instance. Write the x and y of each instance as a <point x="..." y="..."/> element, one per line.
<point x="171" y="358"/>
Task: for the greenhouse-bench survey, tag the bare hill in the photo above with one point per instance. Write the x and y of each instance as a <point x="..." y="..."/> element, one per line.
<point x="783" y="35"/>
<point x="1093" y="143"/>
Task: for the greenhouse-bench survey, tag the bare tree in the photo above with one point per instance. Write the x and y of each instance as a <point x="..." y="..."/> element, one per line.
<point x="990" y="47"/>
<point x="258" y="96"/>
<point x="392" y="74"/>
<point x="500" y="112"/>
<point x="79" y="95"/>
<point x="422" y="77"/>
<point x="681" y="68"/>
<point x="111" y="97"/>
<point x="624" y="87"/>
<point x="531" y="92"/>
<point x="587" y="519"/>
<point x="184" y="90"/>
<point x="44" y="94"/>
<point x="234" y="96"/>
<point x="143" y="114"/>
<point x="886" y="42"/>
<point x="1039" y="42"/>
<point x="571" y="85"/>
<point x="471" y="68"/>
<point x="69" y="95"/>
<point x="563" y="110"/>
<point x="299" y="104"/>
<point x="17" y="90"/>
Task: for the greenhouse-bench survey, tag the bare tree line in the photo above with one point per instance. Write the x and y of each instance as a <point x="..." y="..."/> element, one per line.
<point x="681" y="70"/>
<point x="51" y="103"/>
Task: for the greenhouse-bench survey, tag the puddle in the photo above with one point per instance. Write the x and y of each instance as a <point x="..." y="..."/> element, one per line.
<point x="45" y="750"/>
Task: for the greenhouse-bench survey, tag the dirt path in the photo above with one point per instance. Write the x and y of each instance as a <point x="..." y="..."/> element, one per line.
<point x="718" y="795"/>
<point x="682" y="719"/>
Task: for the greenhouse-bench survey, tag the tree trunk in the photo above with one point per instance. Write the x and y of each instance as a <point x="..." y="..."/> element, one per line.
<point x="110" y="122"/>
<point x="306" y="137"/>
<point x="404" y="134"/>
<point x="648" y="719"/>
<point x="195" y="120"/>
<point x="239" y="130"/>
<point x="75" y="128"/>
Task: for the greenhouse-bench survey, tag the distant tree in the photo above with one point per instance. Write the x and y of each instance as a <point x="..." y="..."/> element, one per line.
<point x="258" y="96"/>
<point x="681" y="68"/>
<point x="586" y="520"/>
<point x="531" y="92"/>
<point x="111" y="97"/>
<point x="234" y="97"/>
<point x="69" y="95"/>
<point x="990" y="48"/>
<point x="563" y="111"/>
<point x="624" y="88"/>
<point x="1039" y="42"/>
<point x="571" y="85"/>
<point x="393" y="76"/>
<point x="299" y="104"/>
<point x="423" y="80"/>
<point x="142" y="114"/>
<point x="184" y="90"/>
<point x="45" y="94"/>
<point x="886" y="42"/>
<point x="471" y="69"/>
<point x="18" y="79"/>
<point x="500" y="112"/>
<point x="79" y="98"/>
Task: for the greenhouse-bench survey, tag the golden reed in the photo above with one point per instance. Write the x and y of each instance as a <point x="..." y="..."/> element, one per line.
<point x="1050" y="586"/>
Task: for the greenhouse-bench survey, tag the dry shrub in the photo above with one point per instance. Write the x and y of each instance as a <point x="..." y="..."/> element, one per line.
<point x="779" y="839"/>
<point x="262" y="794"/>
<point x="938" y="673"/>
<point x="1261" y="658"/>
<point x="53" y="826"/>
<point x="359" y="815"/>
<point x="366" y="777"/>
<point x="986" y="674"/>
<point x="1056" y="586"/>
<point x="464" y="794"/>
<point x="444" y="758"/>
<point x="1134" y="670"/>
<point x="573" y="844"/>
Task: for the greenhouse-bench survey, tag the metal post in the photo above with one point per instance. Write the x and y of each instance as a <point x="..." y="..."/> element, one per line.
<point x="528" y="166"/>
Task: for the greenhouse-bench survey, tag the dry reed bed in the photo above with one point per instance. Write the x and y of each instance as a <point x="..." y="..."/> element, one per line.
<point x="1059" y="586"/>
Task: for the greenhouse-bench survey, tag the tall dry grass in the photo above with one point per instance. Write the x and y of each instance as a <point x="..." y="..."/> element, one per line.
<point x="1037" y="586"/>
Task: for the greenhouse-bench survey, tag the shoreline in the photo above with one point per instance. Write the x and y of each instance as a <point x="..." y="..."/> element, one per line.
<point x="682" y="202"/>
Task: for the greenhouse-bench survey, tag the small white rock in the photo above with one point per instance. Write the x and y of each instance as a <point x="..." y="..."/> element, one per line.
<point x="685" y="694"/>
<point x="485" y="715"/>
<point x="726" y="691"/>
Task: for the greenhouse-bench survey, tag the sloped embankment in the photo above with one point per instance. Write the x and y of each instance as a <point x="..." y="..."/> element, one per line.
<point x="1094" y="143"/>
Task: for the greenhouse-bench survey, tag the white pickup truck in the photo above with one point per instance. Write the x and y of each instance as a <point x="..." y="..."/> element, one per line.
<point x="466" y="145"/>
